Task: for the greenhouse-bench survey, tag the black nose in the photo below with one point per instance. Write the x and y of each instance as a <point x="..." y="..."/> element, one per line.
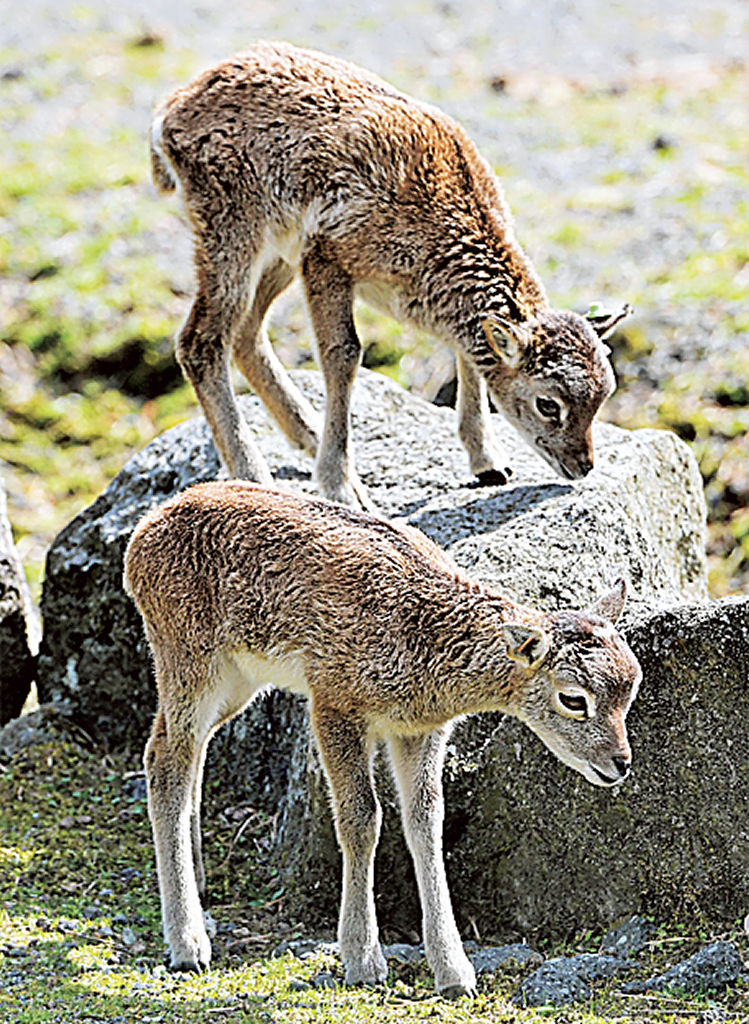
<point x="578" y="469"/>
<point x="621" y="765"/>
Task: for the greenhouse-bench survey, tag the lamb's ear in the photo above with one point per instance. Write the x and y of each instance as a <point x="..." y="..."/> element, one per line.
<point x="526" y="644"/>
<point x="611" y="605"/>
<point x="504" y="339"/>
<point x="603" y="321"/>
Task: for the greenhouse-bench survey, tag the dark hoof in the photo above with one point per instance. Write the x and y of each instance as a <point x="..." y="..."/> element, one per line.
<point x="456" y="991"/>
<point x="187" y="967"/>
<point x="494" y="477"/>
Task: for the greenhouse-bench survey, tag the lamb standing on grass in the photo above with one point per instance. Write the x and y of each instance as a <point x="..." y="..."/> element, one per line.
<point x="242" y="587"/>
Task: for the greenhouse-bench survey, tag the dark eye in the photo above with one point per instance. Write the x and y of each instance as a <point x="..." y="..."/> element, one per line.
<point x="574" y="702"/>
<point x="548" y="408"/>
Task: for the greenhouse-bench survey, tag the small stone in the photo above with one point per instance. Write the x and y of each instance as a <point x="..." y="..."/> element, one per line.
<point x="325" y="980"/>
<point x="135" y="788"/>
<point x="662" y="143"/>
<point x="491" y="958"/>
<point x="404" y="953"/>
<point x="565" y="980"/>
<point x="148" y="39"/>
<point x="710" y="970"/>
<point x="555" y="983"/>
<point x="129" y="938"/>
<point x="627" y="938"/>
<point x="305" y="948"/>
<point x="594" y="966"/>
<point x="297" y="985"/>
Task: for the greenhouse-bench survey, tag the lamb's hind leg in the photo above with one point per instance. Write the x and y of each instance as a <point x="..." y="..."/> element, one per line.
<point x="203" y="352"/>
<point x="417" y="764"/>
<point x="171" y="763"/>
<point x="264" y="372"/>
<point x="330" y="297"/>
<point x="195" y="700"/>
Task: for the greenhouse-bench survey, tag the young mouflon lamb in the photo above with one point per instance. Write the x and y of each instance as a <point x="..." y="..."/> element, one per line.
<point x="292" y="162"/>
<point x="242" y="587"/>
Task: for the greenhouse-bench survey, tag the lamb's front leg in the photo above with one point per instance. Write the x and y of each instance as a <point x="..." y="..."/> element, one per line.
<point x="417" y="764"/>
<point x="347" y="757"/>
<point x="488" y="461"/>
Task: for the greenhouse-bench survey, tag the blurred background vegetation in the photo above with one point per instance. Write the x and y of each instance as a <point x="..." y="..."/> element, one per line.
<point x="626" y="170"/>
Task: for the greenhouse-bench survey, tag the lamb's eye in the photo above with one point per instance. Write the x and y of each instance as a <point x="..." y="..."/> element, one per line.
<point x="548" y="408"/>
<point x="575" y="703"/>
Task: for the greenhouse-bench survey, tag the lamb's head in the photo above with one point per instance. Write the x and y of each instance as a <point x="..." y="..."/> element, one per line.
<point x="551" y="377"/>
<point x="578" y="678"/>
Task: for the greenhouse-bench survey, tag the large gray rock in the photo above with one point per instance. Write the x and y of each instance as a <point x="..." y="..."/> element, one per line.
<point x="19" y="630"/>
<point x="533" y="850"/>
<point x="529" y="844"/>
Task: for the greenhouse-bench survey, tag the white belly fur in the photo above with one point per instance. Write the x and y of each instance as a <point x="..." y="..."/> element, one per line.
<point x="249" y="672"/>
<point x="238" y="676"/>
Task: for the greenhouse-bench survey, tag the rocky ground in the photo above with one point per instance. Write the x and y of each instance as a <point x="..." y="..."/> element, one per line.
<point x="80" y="932"/>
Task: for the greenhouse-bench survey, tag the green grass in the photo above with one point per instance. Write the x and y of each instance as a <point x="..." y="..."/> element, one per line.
<point x="80" y="930"/>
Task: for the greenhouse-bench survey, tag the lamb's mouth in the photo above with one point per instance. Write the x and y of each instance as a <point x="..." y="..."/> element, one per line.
<point x="606" y="779"/>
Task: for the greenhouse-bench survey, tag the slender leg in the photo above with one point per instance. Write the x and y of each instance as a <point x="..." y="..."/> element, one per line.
<point x="347" y="757"/>
<point x="195" y="832"/>
<point x="171" y="766"/>
<point x="193" y="703"/>
<point x="203" y="353"/>
<point x="330" y="297"/>
<point x="417" y="765"/>
<point x="264" y="372"/>
<point x="487" y="459"/>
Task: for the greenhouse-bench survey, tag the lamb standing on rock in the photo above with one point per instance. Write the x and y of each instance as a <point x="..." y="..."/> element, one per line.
<point x="242" y="587"/>
<point x="291" y="161"/>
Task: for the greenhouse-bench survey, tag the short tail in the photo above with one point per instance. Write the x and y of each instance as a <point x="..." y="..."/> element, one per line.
<point x="162" y="172"/>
